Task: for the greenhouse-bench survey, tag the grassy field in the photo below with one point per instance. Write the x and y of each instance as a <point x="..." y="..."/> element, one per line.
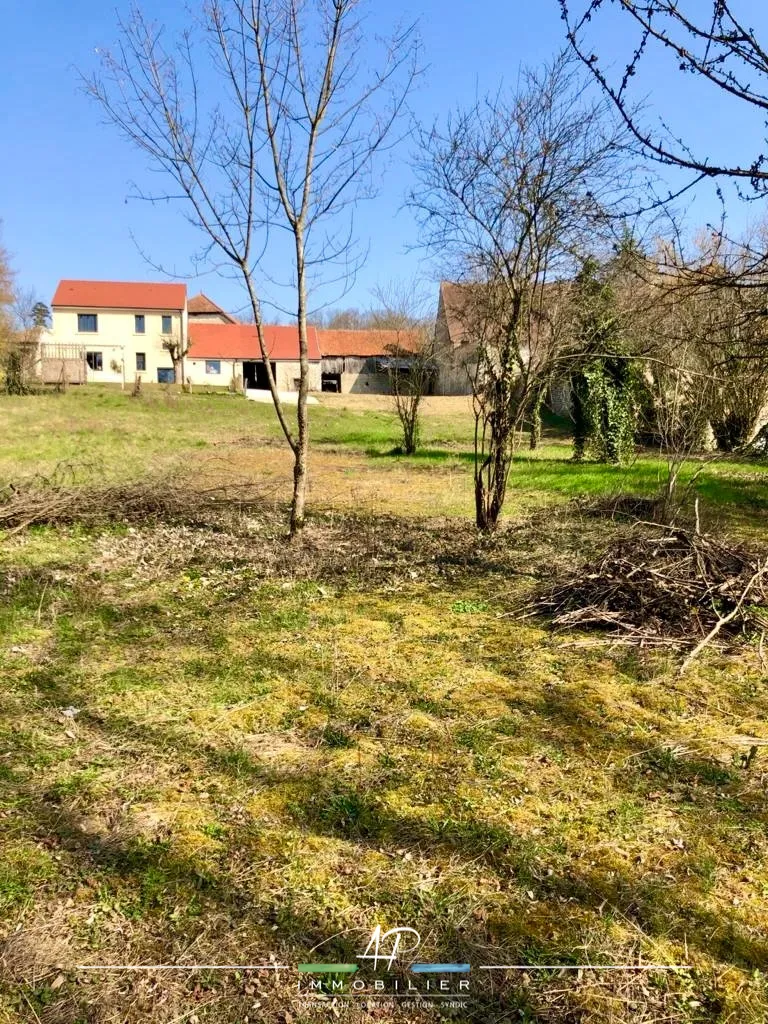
<point x="105" y="435"/>
<point x="218" y="748"/>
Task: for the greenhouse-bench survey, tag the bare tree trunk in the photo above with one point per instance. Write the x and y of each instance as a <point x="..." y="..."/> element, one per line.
<point x="535" y="434"/>
<point x="301" y="451"/>
<point x="481" y="512"/>
<point x="493" y="460"/>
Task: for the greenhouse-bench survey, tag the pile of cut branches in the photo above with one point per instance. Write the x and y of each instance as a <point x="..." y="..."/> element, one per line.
<point x="62" y="499"/>
<point x="664" y="584"/>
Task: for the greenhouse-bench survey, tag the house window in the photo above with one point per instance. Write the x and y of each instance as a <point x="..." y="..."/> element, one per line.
<point x="213" y="366"/>
<point x="167" y="325"/>
<point x="139" y="323"/>
<point x="95" y="360"/>
<point x="165" y="375"/>
<point x="87" y="323"/>
<point x="141" y="360"/>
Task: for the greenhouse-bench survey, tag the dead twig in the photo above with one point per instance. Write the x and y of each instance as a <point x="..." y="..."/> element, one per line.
<point x="723" y="620"/>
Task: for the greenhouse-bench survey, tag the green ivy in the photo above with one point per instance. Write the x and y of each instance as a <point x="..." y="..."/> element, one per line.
<point x="606" y="387"/>
<point x="605" y="410"/>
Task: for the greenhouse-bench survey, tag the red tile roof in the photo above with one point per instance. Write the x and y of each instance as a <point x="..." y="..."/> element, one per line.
<point x="240" y="341"/>
<point x="367" y="343"/>
<point x="200" y="304"/>
<point x="120" y="295"/>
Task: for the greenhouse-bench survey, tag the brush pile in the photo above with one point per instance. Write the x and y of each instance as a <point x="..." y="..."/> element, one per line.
<point x="663" y="584"/>
<point x="62" y="499"/>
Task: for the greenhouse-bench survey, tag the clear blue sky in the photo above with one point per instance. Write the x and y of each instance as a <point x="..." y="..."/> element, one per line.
<point x="65" y="177"/>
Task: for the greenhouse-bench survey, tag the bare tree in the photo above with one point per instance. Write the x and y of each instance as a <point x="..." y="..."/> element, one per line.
<point x="20" y="331"/>
<point x="513" y="193"/>
<point x="706" y="38"/>
<point x="714" y="295"/>
<point x="283" y="149"/>
<point x="177" y="348"/>
<point x="341" y="320"/>
<point x="411" y="374"/>
<point x="680" y="416"/>
<point x="7" y="294"/>
<point x="411" y="367"/>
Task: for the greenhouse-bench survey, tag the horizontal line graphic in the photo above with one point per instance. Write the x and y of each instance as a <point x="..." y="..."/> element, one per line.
<point x="587" y="967"/>
<point x="328" y="968"/>
<point x="366" y="997"/>
<point x="181" y="967"/>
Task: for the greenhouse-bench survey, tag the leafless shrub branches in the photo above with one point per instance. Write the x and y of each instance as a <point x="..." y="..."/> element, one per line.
<point x="710" y="41"/>
<point x="659" y="583"/>
<point x="515" y="191"/>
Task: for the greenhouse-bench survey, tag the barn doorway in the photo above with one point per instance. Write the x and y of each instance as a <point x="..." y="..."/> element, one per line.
<point x="255" y="375"/>
<point x="331" y="382"/>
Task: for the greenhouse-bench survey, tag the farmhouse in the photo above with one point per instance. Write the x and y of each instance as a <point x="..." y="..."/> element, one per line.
<point x="109" y="330"/>
<point x="113" y="331"/>
<point x="359" y="361"/>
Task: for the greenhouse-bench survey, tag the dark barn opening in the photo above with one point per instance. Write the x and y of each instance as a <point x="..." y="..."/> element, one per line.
<point x="331" y="382"/>
<point x="255" y="375"/>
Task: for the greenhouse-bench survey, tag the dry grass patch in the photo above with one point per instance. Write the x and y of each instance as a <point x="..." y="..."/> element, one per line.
<point x="217" y="746"/>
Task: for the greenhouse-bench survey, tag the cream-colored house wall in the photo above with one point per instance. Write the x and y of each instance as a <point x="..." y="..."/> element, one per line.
<point x="117" y="340"/>
<point x="209" y="318"/>
<point x="194" y="370"/>
<point x="286" y="373"/>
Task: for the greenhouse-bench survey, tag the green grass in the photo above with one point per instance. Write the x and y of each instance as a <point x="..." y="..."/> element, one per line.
<point x="303" y="775"/>
<point x="220" y="759"/>
<point x="106" y="434"/>
<point x="43" y="430"/>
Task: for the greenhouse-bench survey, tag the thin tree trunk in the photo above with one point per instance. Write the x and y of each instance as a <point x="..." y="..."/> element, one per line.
<point x="301" y="451"/>
<point x="481" y="512"/>
<point x="535" y="435"/>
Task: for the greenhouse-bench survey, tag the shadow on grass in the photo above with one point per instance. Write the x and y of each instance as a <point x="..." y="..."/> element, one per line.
<point x="359" y="812"/>
<point x="725" y="483"/>
<point x="550" y="892"/>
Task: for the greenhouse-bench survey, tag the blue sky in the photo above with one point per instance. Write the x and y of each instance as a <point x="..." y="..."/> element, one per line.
<point x="65" y="176"/>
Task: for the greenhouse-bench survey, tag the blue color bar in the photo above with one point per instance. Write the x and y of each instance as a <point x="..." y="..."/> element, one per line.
<point x="440" y="968"/>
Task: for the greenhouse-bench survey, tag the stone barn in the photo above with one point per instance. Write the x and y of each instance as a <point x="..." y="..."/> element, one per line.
<point x="359" y="361"/>
<point x="456" y="352"/>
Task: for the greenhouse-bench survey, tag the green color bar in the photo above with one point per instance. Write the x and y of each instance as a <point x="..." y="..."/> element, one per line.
<point x="328" y="968"/>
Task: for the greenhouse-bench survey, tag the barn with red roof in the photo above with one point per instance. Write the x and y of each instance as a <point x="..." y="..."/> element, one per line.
<point x="233" y="352"/>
